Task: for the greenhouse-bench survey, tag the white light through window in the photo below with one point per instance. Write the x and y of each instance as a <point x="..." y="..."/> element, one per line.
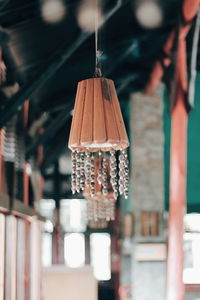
<point x="192" y="222"/>
<point x="46" y="249"/>
<point x="46" y="208"/>
<point x="74" y="253"/>
<point x="192" y="249"/>
<point x="100" y="255"/>
<point x="73" y="215"/>
<point x="192" y="258"/>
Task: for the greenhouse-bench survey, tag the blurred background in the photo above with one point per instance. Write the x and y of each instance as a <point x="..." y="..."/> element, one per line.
<point x="49" y="247"/>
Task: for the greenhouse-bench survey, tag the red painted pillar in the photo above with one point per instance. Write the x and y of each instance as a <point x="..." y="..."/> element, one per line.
<point x="26" y="165"/>
<point x="178" y="157"/>
<point x="26" y="184"/>
<point x="175" y="286"/>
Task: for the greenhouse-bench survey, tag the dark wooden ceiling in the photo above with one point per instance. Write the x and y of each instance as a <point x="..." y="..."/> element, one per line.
<point x="47" y="60"/>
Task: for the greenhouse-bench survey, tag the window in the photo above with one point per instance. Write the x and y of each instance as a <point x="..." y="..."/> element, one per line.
<point x="46" y="249"/>
<point x="192" y="249"/>
<point x="46" y="208"/>
<point x="74" y="253"/>
<point x="73" y="220"/>
<point x="100" y="245"/>
<point x="2" y="254"/>
<point x="73" y="215"/>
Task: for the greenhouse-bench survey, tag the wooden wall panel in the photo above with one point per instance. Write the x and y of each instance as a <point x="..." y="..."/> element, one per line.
<point x="2" y="254"/>
<point x="10" y="258"/>
<point x="20" y="260"/>
<point x="35" y="261"/>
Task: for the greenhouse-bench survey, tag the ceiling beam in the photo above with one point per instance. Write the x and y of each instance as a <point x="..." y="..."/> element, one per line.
<point x="15" y="102"/>
<point x="61" y="119"/>
<point x="126" y="82"/>
<point x="51" y="155"/>
<point x="53" y="128"/>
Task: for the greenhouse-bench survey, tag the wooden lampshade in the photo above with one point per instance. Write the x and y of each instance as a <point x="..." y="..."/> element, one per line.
<point x="98" y="127"/>
<point x="97" y="120"/>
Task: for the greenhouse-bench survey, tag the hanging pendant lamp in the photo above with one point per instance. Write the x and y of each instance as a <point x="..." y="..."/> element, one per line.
<point x="98" y="132"/>
<point x="98" y="127"/>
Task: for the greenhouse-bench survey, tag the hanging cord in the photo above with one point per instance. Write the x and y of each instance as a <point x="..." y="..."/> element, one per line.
<point x="98" y="52"/>
<point x="193" y="71"/>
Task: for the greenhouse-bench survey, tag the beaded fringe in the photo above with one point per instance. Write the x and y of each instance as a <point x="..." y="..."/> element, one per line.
<point x="111" y="172"/>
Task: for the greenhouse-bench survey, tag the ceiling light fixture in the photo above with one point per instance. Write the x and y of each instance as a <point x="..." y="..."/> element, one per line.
<point x="86" y="15"/>
<point x="97" y="133"/>
<point x="149" y="13"/>
<point x="53" y="11"/>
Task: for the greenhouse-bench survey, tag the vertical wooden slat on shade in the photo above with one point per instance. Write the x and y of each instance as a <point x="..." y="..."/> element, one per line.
<point x="75" y="109"/>
<point x="99" y="115"/>
<point x="88" y="116"/>
<point x="75" y="134"/>
<point x="110" y="119"/>
<point x="118" y="114"/>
